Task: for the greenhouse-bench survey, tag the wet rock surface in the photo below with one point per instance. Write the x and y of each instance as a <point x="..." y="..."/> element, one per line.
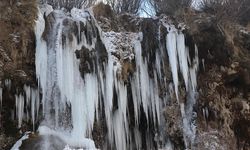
<point x="224" y="91"/>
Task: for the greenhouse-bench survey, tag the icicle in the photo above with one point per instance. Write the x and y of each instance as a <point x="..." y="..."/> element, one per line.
<point x="1" y="97"/>
<point x="158" y="64"/>
<point x="203" y="64"/>
<point x="7" y="83"/>
<point x="206" y="113"/>
<point x="141" y="78"/>
<point x="194" y="69"/>
<point x="27" y="100"/>
<point x="138" y="141"/>
<point x="32" y="103"/>
<point x="34" y="106"/>
<point x="19" y="108"/>
<point x="172" y="55"/>
<point x="176" y="48"/>
<point x="41" y="55"/>
<point x="120" y="126"/>
<point x="183" y="57"/>
<point x="156" y="99"/>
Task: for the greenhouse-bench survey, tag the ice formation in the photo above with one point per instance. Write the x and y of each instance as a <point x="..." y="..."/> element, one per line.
<point x="1" y="97"/>
<point x="178" y="54"/>
<point x="7" y="83"/>
<point x="27" y="105"/>
<point x="18" y="144"/>
<point x="72" y="101"/>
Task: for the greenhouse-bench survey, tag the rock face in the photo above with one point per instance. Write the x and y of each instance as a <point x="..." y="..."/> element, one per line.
<point x="223" y="113"/>
<point x="223" y="84"/>
<point x="17" y="61"/>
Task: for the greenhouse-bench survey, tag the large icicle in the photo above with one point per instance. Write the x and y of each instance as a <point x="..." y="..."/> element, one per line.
<point x="173" y="59"/>
<point x="41" y="54"/>
<point x="19" y="108"/>
<point x="1" y="97"/>
<point x="183" y="57"/>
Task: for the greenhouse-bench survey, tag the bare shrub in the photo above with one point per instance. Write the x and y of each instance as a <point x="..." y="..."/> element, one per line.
<point x="128" y="6"/>
<point x="236" y="10"/>
<point x="170" y="7"/>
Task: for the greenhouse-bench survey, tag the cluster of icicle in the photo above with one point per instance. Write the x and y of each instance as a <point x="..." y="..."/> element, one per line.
<point x="62" y="86"/>
<point x="6" y="84"/>
<point x="179" y="58"/>
<point x="26" y="103"/>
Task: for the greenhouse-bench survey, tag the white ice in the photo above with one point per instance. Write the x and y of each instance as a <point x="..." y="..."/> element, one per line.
<point x="18" y="144"/>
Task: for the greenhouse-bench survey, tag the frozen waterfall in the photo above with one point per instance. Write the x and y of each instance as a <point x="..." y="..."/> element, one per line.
<point x="81" y="83"/>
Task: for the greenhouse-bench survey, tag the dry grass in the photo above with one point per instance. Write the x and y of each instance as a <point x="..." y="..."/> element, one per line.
<point x="233" y="10"/>
<point x="127" y="69"/>
<point x="102" y="10"/>
<point x="17" y="22"/>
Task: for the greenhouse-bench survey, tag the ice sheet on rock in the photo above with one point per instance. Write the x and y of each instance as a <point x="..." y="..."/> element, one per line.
<point x="18" y="144"/>
<point x="45" y="8"/>
<point x="79" y="14"/>
<point x="85" y="143"/>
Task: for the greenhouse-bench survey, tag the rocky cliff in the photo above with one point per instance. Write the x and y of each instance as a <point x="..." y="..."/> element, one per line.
<point x="222" y="112"/>
<point x="17" y="61"/>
